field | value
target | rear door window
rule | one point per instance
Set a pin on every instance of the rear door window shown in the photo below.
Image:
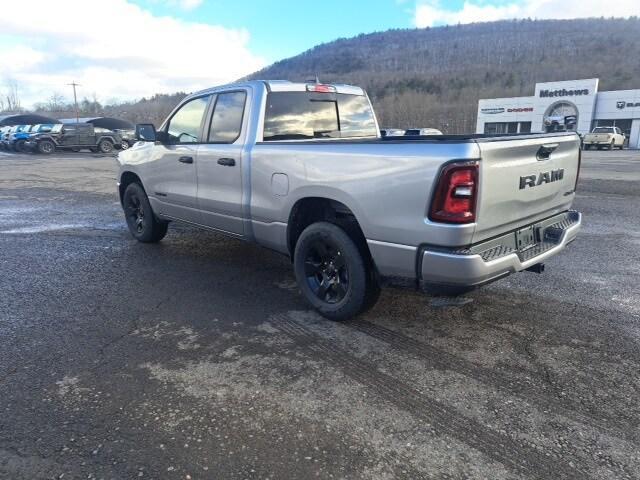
(226, 123)
(309, 115)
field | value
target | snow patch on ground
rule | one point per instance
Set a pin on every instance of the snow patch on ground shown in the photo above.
(43, 228)
(187, 337)
(70, 386)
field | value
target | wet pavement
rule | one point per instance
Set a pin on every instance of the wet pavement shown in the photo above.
(198, 358)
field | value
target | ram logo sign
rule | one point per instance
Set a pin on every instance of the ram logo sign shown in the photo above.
(543, 177)
(622, 104)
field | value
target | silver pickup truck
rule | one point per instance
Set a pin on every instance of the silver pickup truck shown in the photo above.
(302, 169)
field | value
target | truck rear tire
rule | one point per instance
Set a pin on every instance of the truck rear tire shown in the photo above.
(333, 275)
(46, 147)
(105, 146)
(142, 222)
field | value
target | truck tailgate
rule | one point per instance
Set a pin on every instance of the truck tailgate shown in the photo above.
(597, 137)
(524, 179)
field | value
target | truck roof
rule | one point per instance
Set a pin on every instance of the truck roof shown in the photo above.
(284, 86)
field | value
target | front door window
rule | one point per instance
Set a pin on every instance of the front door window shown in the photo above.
(186, 123)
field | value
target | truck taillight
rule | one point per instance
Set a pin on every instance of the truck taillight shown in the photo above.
(455, 196)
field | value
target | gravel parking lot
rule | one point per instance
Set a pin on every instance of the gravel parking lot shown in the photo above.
(198, 358)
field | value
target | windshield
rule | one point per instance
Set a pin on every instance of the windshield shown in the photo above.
(603, 130)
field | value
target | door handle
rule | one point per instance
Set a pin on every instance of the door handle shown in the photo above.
(186, 159)
(227, 162)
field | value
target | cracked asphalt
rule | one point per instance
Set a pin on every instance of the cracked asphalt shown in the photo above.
(197, 358)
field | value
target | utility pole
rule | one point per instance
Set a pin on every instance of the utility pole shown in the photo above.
(75, 98)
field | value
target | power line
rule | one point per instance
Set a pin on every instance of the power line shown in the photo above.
(75, 98)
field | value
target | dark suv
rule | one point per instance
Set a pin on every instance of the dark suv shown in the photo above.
(75, 137)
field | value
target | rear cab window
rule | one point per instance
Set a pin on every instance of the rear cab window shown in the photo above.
(313, 115)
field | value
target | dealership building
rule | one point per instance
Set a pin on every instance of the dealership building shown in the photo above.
(574, 105)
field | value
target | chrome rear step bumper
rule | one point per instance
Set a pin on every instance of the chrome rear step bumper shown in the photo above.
(498, 257)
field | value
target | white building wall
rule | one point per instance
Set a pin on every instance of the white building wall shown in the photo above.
(634, 138)
(507, 110)
(609, 105)
(590, 104)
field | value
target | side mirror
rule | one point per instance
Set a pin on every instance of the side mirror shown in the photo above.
(146, 132)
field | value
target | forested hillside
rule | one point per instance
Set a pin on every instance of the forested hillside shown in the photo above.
(434, 77)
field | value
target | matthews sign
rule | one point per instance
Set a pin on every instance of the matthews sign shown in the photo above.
(563, 93)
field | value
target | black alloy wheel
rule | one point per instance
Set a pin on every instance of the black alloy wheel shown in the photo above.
(333, 272)
(326, 271)
(142, 222)
(135, 213)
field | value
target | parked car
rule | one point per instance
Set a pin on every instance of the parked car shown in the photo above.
(391, 132)
(128, 138)
(19, 139)
(423, 131)
(75, 136)
(17, 133)
(607, 137)
(301, 168)
(4, 137)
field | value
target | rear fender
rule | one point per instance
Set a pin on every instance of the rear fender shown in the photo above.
(329, 194)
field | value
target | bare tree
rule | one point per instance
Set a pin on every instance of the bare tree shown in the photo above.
(12, 97)
(55, 103)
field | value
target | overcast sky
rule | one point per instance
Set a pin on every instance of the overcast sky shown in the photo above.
(127, 49)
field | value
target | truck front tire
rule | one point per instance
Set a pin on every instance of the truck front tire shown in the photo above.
(334, 276)
(142, 222)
